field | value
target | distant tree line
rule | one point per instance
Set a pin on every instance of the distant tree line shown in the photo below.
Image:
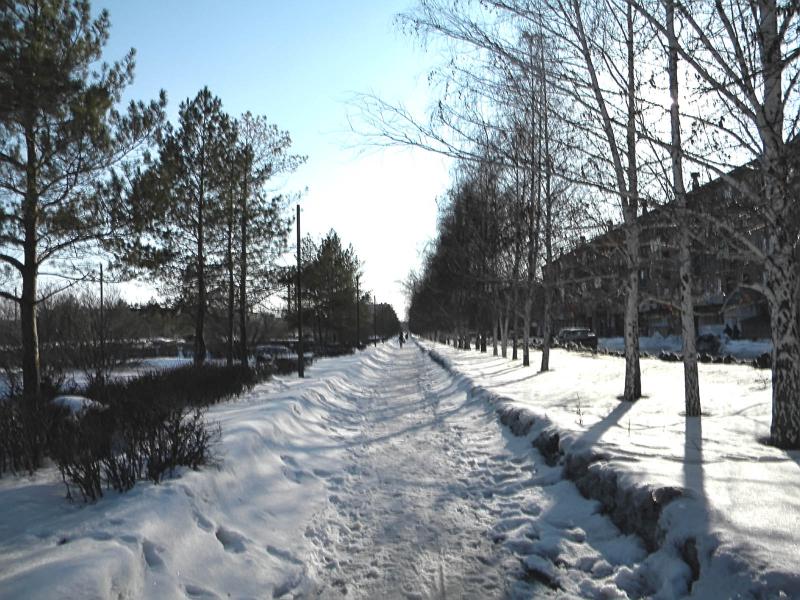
(337, 312)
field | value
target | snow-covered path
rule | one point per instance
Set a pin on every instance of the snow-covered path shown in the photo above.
(404, 520)
(440, 501)
(378, 476)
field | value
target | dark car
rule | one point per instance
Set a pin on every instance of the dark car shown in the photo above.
(708, 343)
(271, 353)
(581, 336)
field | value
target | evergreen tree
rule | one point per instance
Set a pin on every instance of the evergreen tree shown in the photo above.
(262, 154)
(329, 289)
(59, 135)
(175, 210)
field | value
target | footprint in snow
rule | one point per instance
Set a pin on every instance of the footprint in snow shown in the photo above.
(152, 554)
(199, 593)
(296, 475)
(203, 523)
(232, 541)
(289, 460)
(283, 555)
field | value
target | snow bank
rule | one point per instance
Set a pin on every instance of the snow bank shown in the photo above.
(718, 508)
(673, 343)
(76, 404)
(231, 529)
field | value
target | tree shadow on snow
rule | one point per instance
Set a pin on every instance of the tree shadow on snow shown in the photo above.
(694, 481)
(593, 434)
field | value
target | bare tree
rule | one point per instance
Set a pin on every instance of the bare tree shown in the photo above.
(745, 56)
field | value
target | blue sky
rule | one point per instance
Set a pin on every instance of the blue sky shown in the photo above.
(299, 63)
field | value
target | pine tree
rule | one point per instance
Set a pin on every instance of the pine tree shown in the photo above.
(175, 211)
(59, 136)
(262, 154)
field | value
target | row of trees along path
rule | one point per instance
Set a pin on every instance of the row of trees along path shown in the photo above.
(574, 119)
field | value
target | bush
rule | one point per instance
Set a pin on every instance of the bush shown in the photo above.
(148, 427)
(120, 445)
(79, 446)
(184, 386)
(26, 433)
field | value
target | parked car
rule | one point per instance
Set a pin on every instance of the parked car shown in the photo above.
(271, 353)
(708, 343)
(578, 335)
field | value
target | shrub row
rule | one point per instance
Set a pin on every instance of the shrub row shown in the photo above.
(144, 428)
(26, 433)
(116, 446)
(184, 386)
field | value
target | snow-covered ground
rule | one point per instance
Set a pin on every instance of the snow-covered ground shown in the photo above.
(673, 343)
(132, 368)
(379, 476)
(383, 475)
(741, 501)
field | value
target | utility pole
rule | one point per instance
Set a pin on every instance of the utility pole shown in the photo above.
(358, 315)
(374, 322)
(299, 304)
(102, 327)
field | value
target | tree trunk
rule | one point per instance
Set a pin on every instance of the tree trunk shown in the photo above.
(504, 334)
(231, 291)
(516, 333)
(782, 281)
(633, 382)
(545, 364)
(31, 371)
(495, 332)
(243, 278)
(547, 276)
(526, 328)
(633, 378)
(691, 385)
(199, 340)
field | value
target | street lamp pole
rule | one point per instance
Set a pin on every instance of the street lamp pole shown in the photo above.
(102, 328)
(299, 304)
(358, 314)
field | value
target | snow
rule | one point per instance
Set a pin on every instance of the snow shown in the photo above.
(383, 475)
(673, 343)
(76, 404)
(742, 498)
(203, 534)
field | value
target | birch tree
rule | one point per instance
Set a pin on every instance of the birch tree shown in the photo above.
(690, 378)
(591, 44)
(745, 56)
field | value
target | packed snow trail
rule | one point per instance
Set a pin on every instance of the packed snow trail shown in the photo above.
(378, 476)
(441, 501)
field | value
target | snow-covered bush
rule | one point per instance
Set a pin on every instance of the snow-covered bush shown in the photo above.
(145, 428)
(130, 441)
(26, 429)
